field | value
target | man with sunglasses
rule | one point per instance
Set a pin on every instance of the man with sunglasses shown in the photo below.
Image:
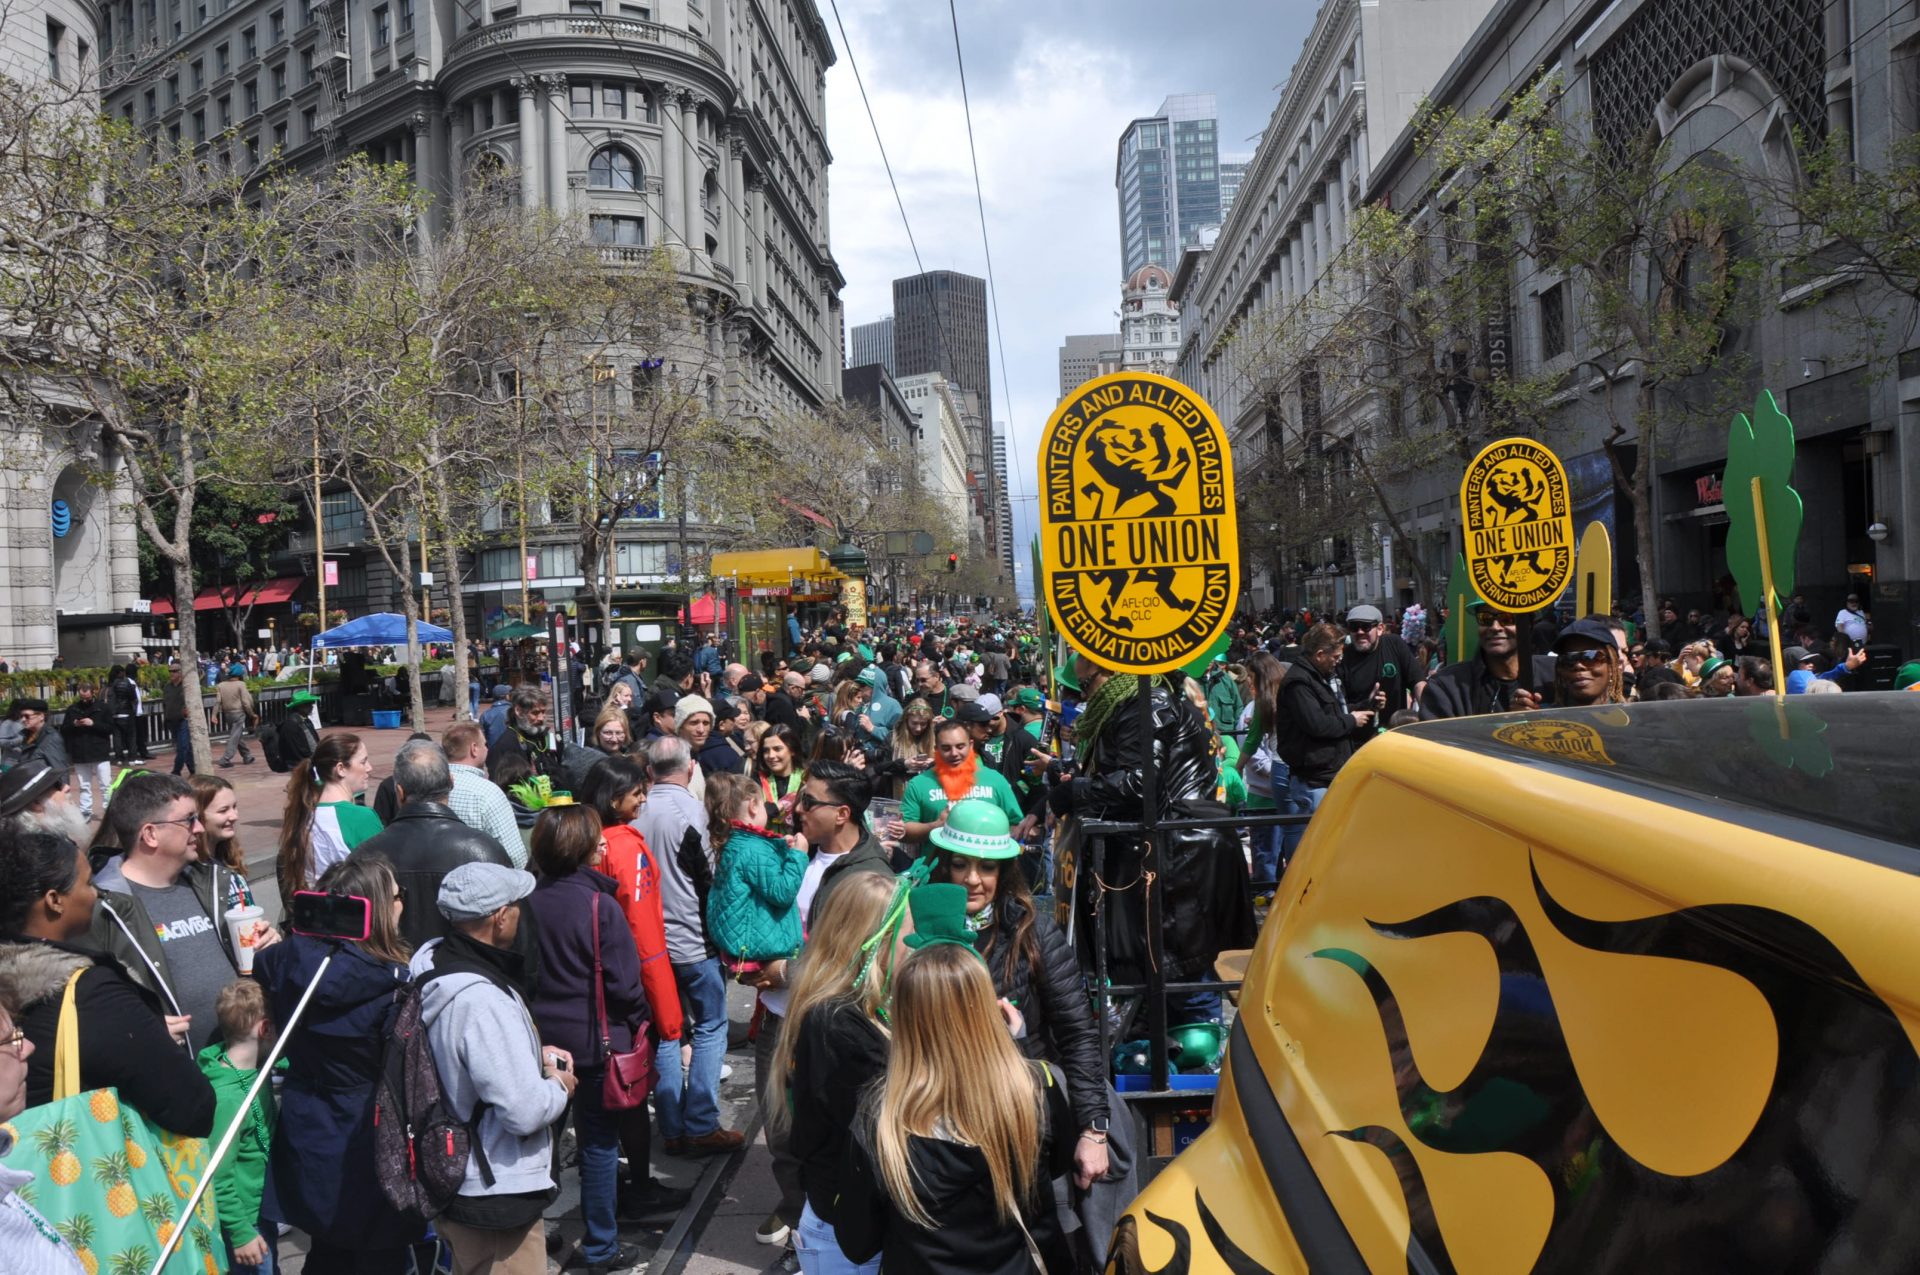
(1378, 670)
(1491, 681)
(162, 912)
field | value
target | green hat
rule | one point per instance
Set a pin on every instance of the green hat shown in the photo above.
(302, 698)
(1909, 675)
(939, 916)
(1713, 666)
(978, 829)
(1027, 697)
(843, 657)
(866, 652)
(1064, 677)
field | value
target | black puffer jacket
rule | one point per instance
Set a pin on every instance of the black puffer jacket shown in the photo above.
(123, 1037)
(1314, 735)
(1053, 999)
(1208, 906)
(840, 1051)
(87, 731)
(425, 841)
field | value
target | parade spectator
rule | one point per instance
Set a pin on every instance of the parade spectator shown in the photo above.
(87, 732)
(1378, 670)
(787, 707)
(28, 1242)
(611, 732)
(230, 1065)
(1225, 699)
(831, 1043)
(173, 711)
(631, 674)
(1208, 903)
(1853, 623)
(1587, 665)
(494, 1072)
(476, 799)
(322, 823)
(427, 839)
(36, 741)
(219, 840)
(929, 684)
(674, 825)
(589, 983)
(1718, 678)
(35, 797)
(162, 911)
(47, 904)
(751, 914)
(1752, 676)
(1032, 965)
(1491, 681)
(615, 789)
(777, 770)
(235, 704)
(122, 702)
(527, 736)
(295, 733)
(958, 1138)
(494, 721)
(1315, 724)
(957, 774)
(693, 718)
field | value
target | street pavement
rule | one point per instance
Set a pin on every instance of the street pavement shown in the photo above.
(715, 1234)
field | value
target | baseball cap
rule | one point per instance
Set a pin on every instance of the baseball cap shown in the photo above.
(1796, 655)
(992, 704)
(963, 691)
(1028, 697)
(475, 890)
(502, 692)
(1364, 614)
(750, 683)
(1585, 632)
(972, 713)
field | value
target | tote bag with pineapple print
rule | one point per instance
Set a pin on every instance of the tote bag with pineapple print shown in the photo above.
(109, 1180)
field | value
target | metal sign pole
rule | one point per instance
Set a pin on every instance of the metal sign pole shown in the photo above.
(1150, 882)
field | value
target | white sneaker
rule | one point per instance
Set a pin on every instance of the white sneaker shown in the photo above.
(773, 1230)
(726, 1072)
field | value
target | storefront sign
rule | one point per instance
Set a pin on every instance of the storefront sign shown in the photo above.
(853, 596)
(1139, 537)
(1517, 512)
(1706, 490)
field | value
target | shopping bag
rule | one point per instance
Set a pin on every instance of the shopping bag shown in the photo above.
(107, 1178)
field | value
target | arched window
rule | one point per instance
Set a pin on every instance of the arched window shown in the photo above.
(613, 168)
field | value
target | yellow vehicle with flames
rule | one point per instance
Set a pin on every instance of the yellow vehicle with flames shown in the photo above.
(1630, 989)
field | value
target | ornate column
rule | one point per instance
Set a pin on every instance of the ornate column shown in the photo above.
(758, 266)
(456, 162)
(426, 174)
(695, 172)
(530, 159)
(672, 168)
(735, 214)
(556, 86)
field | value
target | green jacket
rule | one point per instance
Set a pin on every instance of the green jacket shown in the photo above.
(1224, 702)
(238, 1181)
(751, 909)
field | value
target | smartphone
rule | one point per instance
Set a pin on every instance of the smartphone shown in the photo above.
(558, 1063)
(320, 915)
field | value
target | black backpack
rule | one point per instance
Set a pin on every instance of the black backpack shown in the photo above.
(420, 1147)
(270, 748)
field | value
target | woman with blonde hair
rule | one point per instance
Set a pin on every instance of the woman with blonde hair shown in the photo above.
(954, 1150)
(833, 1041)
(612, 734)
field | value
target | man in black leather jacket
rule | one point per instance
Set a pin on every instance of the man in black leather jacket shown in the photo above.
(426, 840)
(1207, 907)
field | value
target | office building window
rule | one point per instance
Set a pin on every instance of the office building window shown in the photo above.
(249, 45)
(626, 232)
(310, 123)
(152, 108)
(1553, 321)
(280, 137)
(406, 17)
(199, 126)
(173, 91)
(582, 100)
(382, 27)
(613, 102)
(252, 96)
(613, 168)
(279, 74)
(277, 25)
(222, 59)
(306, 67)
(199, 75)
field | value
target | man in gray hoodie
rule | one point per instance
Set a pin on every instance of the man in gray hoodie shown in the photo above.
(493, 1070)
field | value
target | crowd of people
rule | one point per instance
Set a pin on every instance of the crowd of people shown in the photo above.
(867, 830)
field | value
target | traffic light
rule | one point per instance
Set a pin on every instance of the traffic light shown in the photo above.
(953, 562)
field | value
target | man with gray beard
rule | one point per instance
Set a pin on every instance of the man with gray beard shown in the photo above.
(36, 797)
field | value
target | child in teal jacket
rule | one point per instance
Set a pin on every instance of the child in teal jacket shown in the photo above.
(231, 1068)
(752, 908)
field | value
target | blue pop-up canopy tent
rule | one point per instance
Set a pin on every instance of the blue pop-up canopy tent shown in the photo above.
(383, 628)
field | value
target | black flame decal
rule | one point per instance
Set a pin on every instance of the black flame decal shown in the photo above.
(1823, 1182)
(1124, 1256)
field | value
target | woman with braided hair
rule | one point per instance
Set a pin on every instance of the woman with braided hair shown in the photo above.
(1587, 666)
(1207, 906)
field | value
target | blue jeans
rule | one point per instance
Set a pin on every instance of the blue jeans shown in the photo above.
(688, 1105)
(1192, 1007)
(1302, 800)
(599, 1139)
(819, 1250)
(473, 700)
(182, 747)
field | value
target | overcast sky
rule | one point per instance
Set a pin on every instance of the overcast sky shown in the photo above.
(1053, 83)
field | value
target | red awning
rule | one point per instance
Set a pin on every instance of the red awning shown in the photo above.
(218, 598)
(702, 609)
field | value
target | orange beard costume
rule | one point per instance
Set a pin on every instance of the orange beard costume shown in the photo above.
(957, 783)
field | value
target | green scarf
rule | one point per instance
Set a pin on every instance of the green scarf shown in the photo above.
(1118, 690)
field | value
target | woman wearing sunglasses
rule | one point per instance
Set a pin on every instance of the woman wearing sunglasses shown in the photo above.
(1587, 666)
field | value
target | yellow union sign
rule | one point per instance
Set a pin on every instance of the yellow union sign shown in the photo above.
(1517, 511)
(1140, 542)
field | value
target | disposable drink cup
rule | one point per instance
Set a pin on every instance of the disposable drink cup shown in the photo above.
(243, 927)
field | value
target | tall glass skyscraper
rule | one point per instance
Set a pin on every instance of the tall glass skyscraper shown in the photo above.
(1167, 173)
